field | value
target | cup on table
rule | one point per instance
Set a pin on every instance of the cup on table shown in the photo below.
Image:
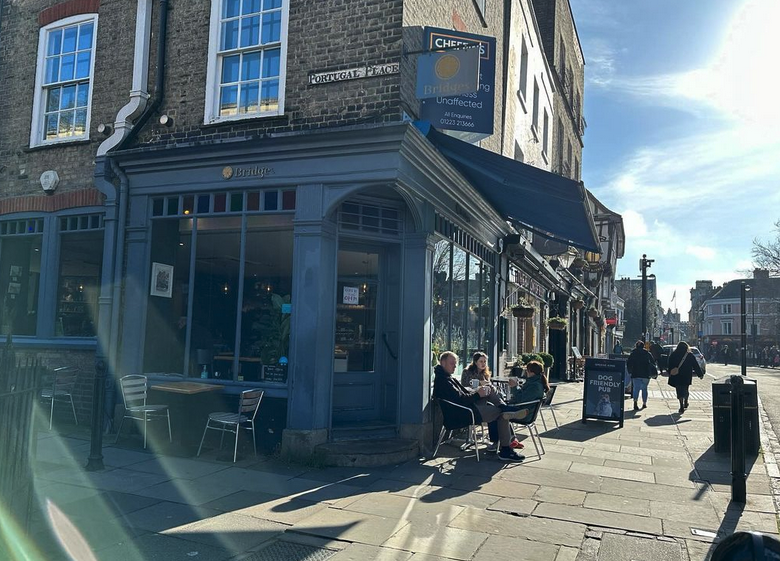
(475, 383)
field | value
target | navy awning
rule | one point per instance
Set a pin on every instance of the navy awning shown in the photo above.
(548, 204)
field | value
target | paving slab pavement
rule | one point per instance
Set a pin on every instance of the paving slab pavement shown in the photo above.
(599, 493)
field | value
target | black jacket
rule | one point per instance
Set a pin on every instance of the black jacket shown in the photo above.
(449, 388)
(688, 368)
(638, 363)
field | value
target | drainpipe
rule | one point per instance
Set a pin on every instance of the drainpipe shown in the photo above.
(507, 38)
(116, 220)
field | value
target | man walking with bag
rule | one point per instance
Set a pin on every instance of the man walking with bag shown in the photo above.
(641, 366)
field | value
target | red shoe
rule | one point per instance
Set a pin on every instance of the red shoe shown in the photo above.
(516, 444)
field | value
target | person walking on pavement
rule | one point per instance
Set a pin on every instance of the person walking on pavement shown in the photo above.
(656, 350)
(682, 366)
(617, 349)
(726, 354)
(638, 365)
(484, 402)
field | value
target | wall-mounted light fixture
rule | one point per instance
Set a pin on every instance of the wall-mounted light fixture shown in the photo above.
(166, 120)
(105, 129)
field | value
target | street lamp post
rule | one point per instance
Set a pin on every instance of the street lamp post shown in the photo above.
(743, 326)
(644, 264)
(753, 326)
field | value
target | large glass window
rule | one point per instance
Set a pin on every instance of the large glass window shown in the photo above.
(247, 78)
(20, 284)
(64, 80)
(440, 304)
(458, 326)
(473, 307)
(81, 259)
(356, 311)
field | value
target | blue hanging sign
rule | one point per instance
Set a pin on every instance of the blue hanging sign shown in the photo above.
(448, 73)
(473, 112)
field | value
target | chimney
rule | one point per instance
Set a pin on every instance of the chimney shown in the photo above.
(760, 273)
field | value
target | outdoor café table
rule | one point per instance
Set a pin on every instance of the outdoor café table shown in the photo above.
(502, 385)
(190, 404)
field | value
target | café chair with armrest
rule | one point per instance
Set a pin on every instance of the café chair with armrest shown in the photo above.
(61, 389)
(453, 419)
(230, 422)
(530, 423)
(547, 403)
(134, 389)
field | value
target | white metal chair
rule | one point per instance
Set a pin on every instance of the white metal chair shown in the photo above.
(534, 408)
(134, 390)
(224, 422)
(61, 389)
(449, 411)
(547, 403)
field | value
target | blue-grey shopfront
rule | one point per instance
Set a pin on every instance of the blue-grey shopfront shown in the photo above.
(326, 268)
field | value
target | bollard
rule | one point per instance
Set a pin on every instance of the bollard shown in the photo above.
(738, 476)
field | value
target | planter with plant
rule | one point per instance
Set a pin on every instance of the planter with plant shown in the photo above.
(523, 310)
(578, 303)
(593, 312)
(557, 323)
(547, 360)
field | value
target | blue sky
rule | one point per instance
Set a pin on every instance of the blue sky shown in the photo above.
(682, 139)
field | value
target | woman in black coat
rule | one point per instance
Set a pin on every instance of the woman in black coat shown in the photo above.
(686, 365)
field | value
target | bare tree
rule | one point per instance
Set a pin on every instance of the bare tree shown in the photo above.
(766, 254)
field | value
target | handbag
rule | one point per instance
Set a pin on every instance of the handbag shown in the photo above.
(652, 369)
(675, 370)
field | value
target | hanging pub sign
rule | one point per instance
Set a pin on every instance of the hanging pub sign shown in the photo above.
(448, 73)
(603, 392)
(472, 113)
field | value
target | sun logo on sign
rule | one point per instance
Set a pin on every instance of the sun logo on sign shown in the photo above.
(227, 172)
(447, 67)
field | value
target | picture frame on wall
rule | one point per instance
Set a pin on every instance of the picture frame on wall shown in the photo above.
(162, 280)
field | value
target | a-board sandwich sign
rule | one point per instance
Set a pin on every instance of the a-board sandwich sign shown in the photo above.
(603, 392)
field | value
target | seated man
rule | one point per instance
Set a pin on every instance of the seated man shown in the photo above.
(484, 402)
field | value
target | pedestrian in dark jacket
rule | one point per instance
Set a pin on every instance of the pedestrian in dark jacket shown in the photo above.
(638, 365)
(484, 402)
(726, 355)
(687, 366)
(533, 389)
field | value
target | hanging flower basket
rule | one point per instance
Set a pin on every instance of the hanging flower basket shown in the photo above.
(578, 304)
(557, 323)
(593, 313)
(523, 311)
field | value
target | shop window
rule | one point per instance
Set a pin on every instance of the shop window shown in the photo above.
(440, 304)
(63, 90)
(81, 258)
(247, 59)
(473, 306)
(20, 274)
(486, 309)
(356, 311)
(458, 313)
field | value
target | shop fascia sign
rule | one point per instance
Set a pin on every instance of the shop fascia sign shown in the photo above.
(229, 172)
(368, 71)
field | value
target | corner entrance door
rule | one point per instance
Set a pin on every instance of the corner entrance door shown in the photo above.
(365, 368)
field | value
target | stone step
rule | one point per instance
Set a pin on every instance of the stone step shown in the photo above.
(368, 453)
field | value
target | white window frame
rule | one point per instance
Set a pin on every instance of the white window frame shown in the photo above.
(535, 111)
(211, 114)
(545, 135)
(726, 327)
(37, 126)
(726, 309)
(523, 89)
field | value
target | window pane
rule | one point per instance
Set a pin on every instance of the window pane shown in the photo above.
(272, 27)
(440, 302)
(288, 200)
(81, 257)
(80, 126)
(250, 66)
(67, 68)
(271, 60)
(270, 4)
(66, 123)
(68, 97)
(85, 36)
(271, 200)
(19, 284)
(458, 340)
(473, 306)
(228, 100)
(52, 69)
(230, 8)
(55, 43)
(82, 95)
(82, 64)
(166, 318)
(251, 7)
(230, 69)
(265, 325)
(51, 126)
(487, 308)
(250, 31)
(53, 99)
(229, 35)
(69, 40)
(356, 322)
(249, 95)
(269, 96)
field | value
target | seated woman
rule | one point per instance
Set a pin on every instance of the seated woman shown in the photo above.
(535, 387)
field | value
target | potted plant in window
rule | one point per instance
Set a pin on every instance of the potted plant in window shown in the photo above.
(593, 312)
(523, 309)
(578, 303)
(558, 323)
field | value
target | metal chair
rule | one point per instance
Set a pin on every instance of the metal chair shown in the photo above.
(61, 389)
(224, 421)
(134, 390)
(449, 410)
(547, 402)
(530, 423)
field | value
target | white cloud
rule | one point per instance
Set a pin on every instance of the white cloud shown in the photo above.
(701, 252)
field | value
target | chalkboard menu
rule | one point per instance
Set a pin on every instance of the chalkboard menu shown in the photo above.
(603, 392)
(275, 373)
